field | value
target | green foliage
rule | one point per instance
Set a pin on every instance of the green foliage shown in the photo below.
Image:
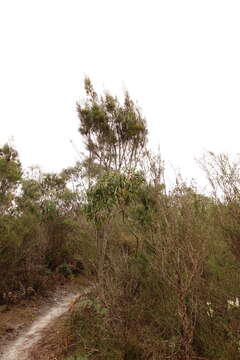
(94, 305)
(115, 135)
(39, 226)
(170, 300)
(65, 270)
(167, 263)
(10, 175)
(112, 190)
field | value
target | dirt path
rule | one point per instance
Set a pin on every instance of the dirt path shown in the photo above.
(24, 344)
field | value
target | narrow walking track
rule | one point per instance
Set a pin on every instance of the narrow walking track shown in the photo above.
(20, 348)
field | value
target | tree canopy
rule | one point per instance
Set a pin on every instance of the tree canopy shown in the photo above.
(115, 134)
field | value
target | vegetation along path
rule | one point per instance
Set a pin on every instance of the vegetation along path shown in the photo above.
(23, 345)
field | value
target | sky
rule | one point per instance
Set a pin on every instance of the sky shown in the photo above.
(180, 61)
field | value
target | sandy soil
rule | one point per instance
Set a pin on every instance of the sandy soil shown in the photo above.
(34, 325)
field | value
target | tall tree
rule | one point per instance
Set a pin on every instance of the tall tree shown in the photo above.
(10, 175)
(115, 134)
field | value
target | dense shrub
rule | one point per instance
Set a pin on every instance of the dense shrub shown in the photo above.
(42, 229)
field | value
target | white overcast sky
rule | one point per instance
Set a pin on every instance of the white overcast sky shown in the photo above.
(179, 59)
